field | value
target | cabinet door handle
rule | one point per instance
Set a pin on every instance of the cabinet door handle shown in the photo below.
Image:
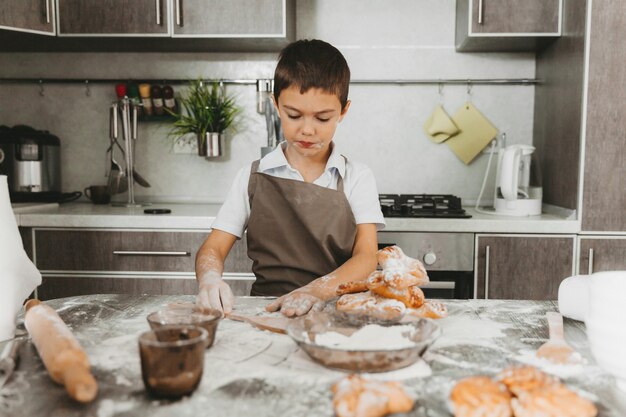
(47, 11)
(179, 13)
(487, 272)
(157, 4)
(480, 12)
(150, 253)
(590, 270)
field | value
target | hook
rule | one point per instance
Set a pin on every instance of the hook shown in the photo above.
(41, 90)
(221, 85)
(440, 91)
(469, 89)
(87, 90)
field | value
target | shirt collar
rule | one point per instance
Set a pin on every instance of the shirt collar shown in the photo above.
(277, 159)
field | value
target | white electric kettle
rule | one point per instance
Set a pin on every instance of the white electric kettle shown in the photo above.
(514, 194)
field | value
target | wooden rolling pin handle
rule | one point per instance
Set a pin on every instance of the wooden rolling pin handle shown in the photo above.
(65, 360)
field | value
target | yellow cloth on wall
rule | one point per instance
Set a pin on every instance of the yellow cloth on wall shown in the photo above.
(439, 127)
(476, 132)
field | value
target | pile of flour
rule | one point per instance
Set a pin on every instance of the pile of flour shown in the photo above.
(370, 337)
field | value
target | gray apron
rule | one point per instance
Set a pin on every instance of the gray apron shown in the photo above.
(297, 232)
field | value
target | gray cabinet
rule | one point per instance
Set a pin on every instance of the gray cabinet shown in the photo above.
(34, 16)
(79, 261)
(113, 17)
(522, 267)
(601, 253)
(233, 18)
(506, 25)
(604, 170)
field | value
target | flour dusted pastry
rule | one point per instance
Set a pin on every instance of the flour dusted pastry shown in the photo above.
(552, 401)
(372, 305)
(355, 396)
(399, 270)
(429, 310)
(480, 396)
(351, 287)
(412, 297)
(520, 379)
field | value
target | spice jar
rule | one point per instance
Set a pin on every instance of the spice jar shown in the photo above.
(157, 99)
(144, 92)
(168, 98)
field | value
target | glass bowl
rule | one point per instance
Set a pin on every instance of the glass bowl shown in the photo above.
(332, 340)
(187, 315)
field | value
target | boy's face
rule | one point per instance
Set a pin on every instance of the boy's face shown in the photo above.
(309, 120)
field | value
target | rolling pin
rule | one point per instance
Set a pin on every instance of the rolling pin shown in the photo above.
(64, 358)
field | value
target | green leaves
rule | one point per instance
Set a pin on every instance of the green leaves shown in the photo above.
(206, 109)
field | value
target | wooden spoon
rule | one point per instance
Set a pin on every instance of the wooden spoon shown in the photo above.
(556, 349)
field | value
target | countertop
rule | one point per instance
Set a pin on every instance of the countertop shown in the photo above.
(201, 216)
(252, 372)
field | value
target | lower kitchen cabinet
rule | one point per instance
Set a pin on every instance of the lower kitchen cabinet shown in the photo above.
(522, 267)
(87, 261)
(601, 253)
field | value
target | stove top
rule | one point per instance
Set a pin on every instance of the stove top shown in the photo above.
(422, 205)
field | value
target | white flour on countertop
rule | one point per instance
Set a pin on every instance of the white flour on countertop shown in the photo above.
(370, 337)
(109, 408)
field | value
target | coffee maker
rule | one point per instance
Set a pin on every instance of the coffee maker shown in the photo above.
(518, 189)
(30, 159)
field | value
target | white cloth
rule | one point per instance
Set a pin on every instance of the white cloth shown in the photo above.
(18, 275)
(359, 185)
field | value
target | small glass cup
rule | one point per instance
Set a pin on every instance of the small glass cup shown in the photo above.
(172, 359)
(187, 315)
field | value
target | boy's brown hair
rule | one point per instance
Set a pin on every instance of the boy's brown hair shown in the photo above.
(312, 64)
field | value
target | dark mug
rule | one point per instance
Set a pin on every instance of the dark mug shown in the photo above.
(98, 194)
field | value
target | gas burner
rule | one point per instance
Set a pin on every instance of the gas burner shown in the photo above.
(422, 205)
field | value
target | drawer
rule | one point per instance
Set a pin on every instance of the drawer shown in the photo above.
(144, 251)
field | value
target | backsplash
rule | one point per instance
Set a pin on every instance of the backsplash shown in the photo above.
(414, 39)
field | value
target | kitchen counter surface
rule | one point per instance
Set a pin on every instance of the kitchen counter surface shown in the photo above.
(201, 216)
(252, 372)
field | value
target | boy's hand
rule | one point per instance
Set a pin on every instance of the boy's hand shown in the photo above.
(215, 293)
(297, 303)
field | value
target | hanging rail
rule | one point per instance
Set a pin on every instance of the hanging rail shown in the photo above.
(432, 81)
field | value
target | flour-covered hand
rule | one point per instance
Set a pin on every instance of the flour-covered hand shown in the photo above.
(214, 293)
(297, 303)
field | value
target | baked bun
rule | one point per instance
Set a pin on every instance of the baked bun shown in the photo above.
(372, 305)
(552, 401)
(520, 379)
(412, 297)
(399, 270)
(429, 310)
(480, 396)
(355, 396)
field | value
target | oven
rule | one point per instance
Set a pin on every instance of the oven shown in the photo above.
(447, 257)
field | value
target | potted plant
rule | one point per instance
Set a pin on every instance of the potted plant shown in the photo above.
(206, 112)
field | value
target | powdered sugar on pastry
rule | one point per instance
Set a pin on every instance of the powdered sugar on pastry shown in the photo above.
(355, 396)
(399, 270)
(480, 396)
(372, 305)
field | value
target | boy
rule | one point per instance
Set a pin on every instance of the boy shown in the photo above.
(311, 214)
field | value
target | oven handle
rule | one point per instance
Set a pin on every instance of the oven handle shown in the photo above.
(439, 285)
(487, 272)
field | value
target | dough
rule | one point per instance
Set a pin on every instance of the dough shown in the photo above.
(355, 396)
(552, 401)
(480, 396)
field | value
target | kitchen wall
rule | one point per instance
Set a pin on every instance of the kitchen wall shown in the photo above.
(403, 39)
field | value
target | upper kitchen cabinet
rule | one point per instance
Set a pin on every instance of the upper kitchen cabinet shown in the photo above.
(162, 26)
(506, 25)
(113, 17)
(34, 16)
(522, 267)
(604, 121)
(233, 18)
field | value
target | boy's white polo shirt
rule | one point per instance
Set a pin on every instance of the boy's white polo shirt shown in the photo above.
(359, 186)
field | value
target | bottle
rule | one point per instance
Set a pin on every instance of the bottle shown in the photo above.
(133, 95)
(157, 99)
(144, 92)
(120, 90)
(168, 98)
